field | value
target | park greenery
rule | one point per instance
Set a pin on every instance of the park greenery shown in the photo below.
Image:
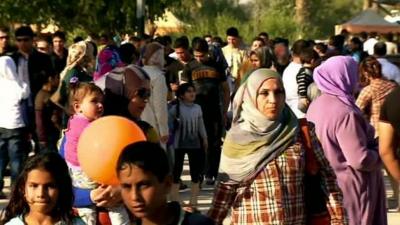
(277, 17)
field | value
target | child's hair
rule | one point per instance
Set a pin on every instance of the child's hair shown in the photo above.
(148, 156)
(369, 67)
(80, 90)
(182, 89)
(307, 55)
(50, 162)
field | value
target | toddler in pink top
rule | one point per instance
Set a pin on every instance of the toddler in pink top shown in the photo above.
(86, 101)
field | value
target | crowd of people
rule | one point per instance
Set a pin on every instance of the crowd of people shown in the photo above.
(285, 133)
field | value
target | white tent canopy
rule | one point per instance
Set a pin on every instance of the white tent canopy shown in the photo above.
(369, 21)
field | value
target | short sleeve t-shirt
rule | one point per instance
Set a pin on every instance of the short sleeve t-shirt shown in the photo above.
(390, 111)
(207, 78)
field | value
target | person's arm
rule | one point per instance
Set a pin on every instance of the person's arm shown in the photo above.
(40, 126)
(82, 197)
(224, 197)
(364, 100)
(353, 142)
(388, 145)
(226, 96)
(160, 107)
(202, 130)
(329, 183)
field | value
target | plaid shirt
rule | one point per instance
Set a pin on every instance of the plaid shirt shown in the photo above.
(276, 195)
(371, 99)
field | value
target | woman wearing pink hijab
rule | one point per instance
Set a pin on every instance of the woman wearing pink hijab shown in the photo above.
(348, 141)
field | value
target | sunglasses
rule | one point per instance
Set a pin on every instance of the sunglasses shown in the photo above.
(23, 39)
(143, 93)
(4, 37)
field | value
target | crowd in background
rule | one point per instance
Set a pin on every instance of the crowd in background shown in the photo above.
(263, 122)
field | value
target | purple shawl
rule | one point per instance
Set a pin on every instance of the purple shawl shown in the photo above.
(338, 76)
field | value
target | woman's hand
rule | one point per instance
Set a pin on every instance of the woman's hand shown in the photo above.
(106, 196)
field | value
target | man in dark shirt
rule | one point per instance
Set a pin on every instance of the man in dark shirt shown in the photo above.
(212, 94)
(389, 133)
(175, 68)
(60, 53)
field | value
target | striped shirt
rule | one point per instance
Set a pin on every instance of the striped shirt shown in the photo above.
(304, 79)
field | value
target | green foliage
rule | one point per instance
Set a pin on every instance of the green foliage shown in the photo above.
(91, 15)
(276, 17)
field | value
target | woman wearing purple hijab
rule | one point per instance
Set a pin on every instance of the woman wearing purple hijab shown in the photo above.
(348, 141)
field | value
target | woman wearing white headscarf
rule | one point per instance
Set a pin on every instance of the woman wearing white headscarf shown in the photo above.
(156, 112)
(263, 166)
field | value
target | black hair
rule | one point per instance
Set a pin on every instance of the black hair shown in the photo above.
(78, 39)
(218, 40)
(4, 29)
(60, 35)
(44, 38)
(358, 42)
(24, 31)
(232, 31)
(280, 40)
(323, 48)
(380, 49)
(200, 45)
(363, 35)
(389, 37)
(337, 41)
(308, 55)
(259, 39)
(263, 34)
(54, 164)
(127, 52)
(182, 42)
(149, 157)
(182, 89)
(207, 36)
(299, 46)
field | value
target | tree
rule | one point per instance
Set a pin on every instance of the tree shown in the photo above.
(91, 15)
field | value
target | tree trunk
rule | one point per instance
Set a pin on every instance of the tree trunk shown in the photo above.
(302, 15)
(301, 11)
(369, 4)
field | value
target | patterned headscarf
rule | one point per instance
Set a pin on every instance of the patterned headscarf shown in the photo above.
(254, 140)
(107, 60)
(338, 76)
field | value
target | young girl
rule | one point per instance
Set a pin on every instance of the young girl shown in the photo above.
(190, 137)
(42, 194)
(86, 101)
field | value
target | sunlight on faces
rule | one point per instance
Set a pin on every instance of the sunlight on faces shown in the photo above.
(256, 44)
(41, 192)
(24, 43)
(189, 95)
(271, 98)
(181, 54)
(142, 192)
(91, 106)
(233, 41)
(138, 103)
(200, 56)
(58, 44)
(3, 39)
(255, 61)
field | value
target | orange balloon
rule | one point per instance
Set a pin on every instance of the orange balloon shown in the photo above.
(102, 142)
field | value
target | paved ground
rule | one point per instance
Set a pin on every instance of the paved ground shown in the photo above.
(207, 191)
